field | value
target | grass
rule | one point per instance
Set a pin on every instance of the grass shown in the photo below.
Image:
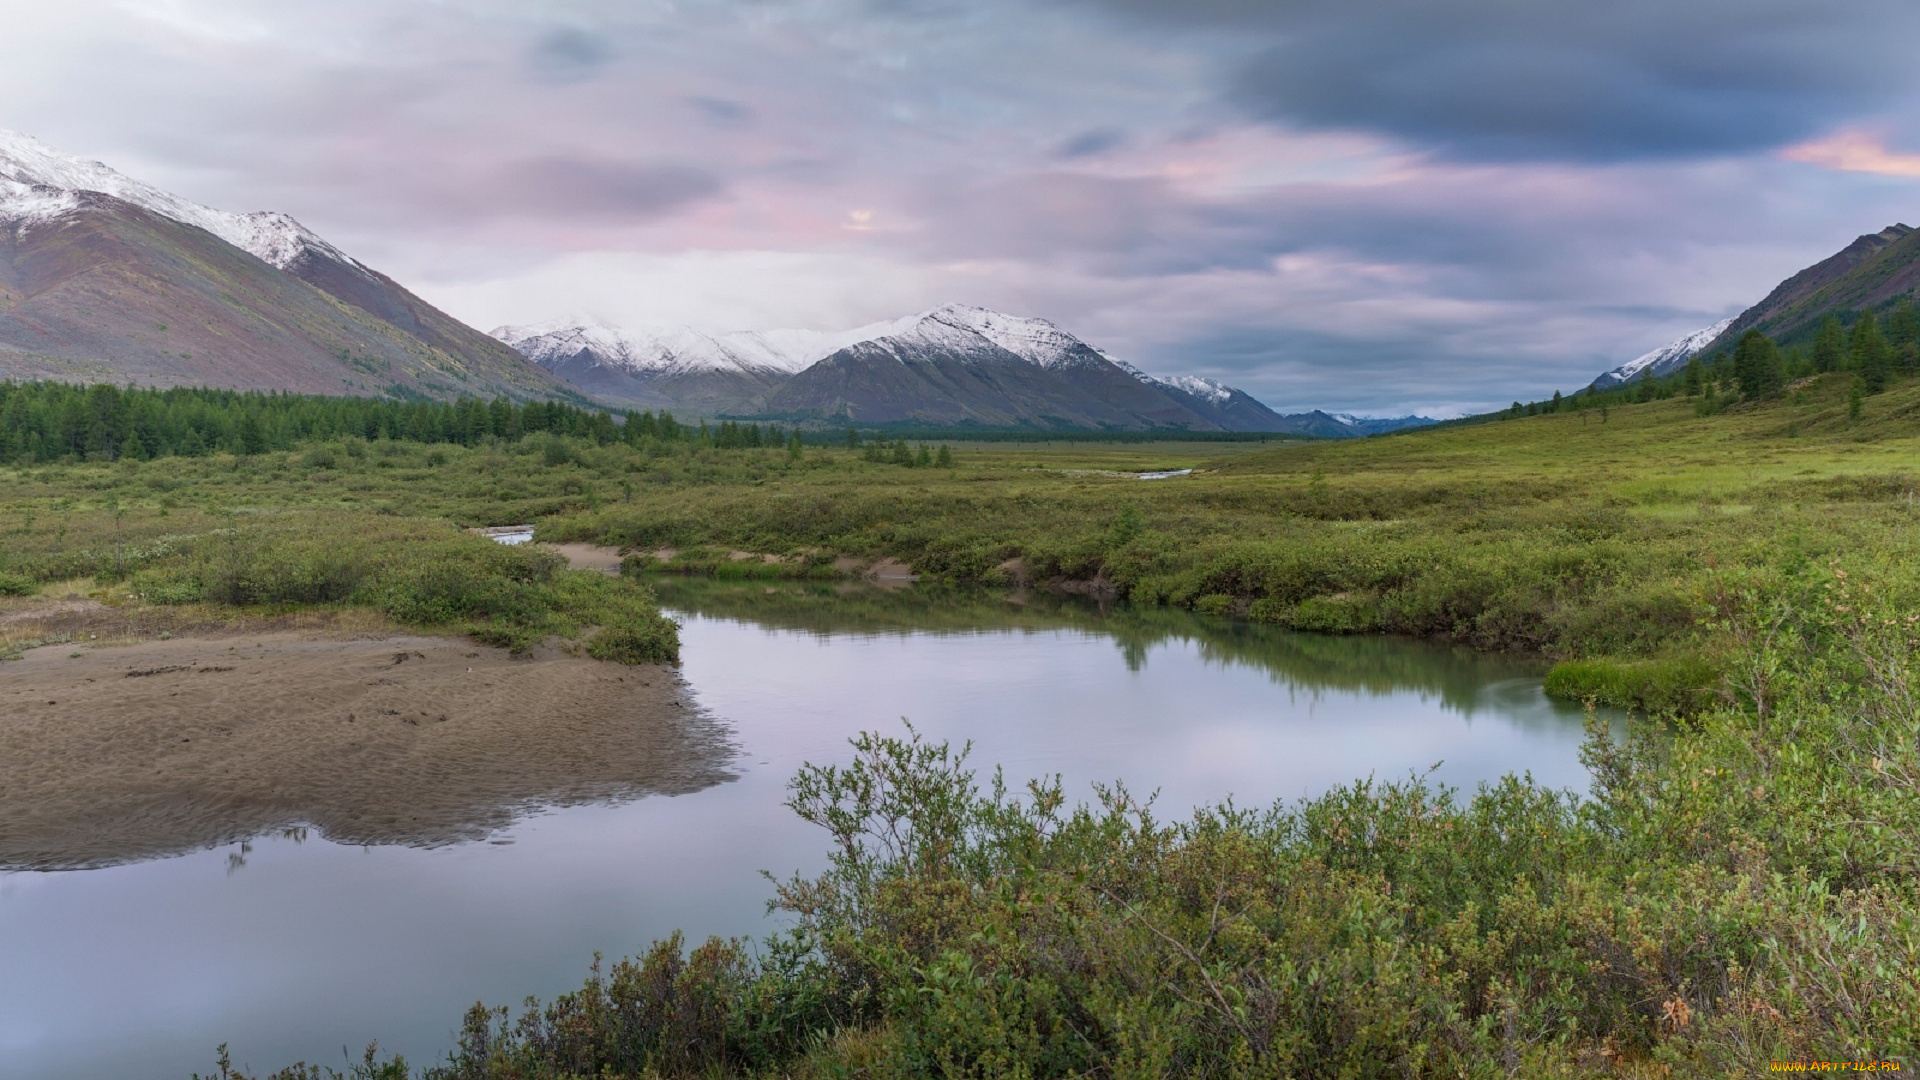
(1697, 915)
(1614, 541)
(1740, 888)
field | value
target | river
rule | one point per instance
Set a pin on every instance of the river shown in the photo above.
(291, 947)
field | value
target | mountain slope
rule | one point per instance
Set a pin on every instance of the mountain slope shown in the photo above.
(105, 277)
(1873, 271)
(1664, 360)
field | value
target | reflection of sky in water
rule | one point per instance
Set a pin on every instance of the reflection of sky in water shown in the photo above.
(140, 971)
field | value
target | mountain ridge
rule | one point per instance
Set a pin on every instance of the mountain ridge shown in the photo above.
(1873, 271)
(104, 277)
(950, 365)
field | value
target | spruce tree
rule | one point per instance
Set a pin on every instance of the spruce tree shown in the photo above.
(1870, 355)
(1757, 366)
(1829, 346)
(1903, 333)
(1692, 377)
(1556, 402)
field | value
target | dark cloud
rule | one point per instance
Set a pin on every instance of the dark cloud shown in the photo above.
(721, 112)
(569, 56)
(565, 186)
(1091, 143)
(1498, 80)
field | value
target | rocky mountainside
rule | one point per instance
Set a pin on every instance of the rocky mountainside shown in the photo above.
(1870, 273)
(103, 277)
(952, 366)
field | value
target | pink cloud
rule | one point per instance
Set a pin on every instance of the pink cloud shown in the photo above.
(1855, 151)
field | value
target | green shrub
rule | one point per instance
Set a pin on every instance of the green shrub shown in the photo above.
(1672, 685)
(653, 642)
(13, 583)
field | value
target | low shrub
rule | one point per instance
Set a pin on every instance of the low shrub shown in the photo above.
(13, 583)
(1668, 685)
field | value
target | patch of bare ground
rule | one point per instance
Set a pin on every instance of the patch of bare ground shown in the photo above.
(590, 557)
(161, 747)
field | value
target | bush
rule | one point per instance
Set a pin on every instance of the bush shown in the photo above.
(652, 643)
(17, 584)
(1672, 686)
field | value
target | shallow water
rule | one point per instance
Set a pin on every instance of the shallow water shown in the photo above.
(293, 947)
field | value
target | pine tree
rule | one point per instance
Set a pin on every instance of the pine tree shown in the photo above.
(1556, 402)
(1692, 377)
(1856, 397)
(945, 458)
(1870, 355)
(853, 439)
(1903, 333)
(1829, 346)
(1757, 366)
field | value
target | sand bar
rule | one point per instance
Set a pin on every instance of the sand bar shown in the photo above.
(156, 748)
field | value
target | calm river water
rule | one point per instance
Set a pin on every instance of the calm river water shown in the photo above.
(295, 948)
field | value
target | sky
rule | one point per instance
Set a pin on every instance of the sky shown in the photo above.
(1373, 206)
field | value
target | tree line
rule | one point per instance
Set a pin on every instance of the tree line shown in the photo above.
(1874, 349)
(52, 421)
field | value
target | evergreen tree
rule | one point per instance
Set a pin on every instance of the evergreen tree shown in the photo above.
(1757, 367)
(1903, 334)
(1829, 346)
(794, 449)
(945, 458)
(1856, 397)
(853, 439)
(1870, 355)
(1555, 407)
(1691, 379)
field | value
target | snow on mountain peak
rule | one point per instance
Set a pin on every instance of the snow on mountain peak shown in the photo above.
(1201, 387)
(1035, 340)
(39, 183)
(1666, 358)
(954, 330)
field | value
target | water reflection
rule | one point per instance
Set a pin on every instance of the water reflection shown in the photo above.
(1465, 681)
(140, 970)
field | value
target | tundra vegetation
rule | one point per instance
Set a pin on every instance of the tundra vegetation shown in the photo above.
(1741, 882)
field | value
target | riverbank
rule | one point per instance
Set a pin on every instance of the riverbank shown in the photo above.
(136, 751)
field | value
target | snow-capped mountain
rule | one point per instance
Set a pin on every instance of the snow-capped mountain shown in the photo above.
(954, 364)
(1664, 360)
(103, 276)
(39, 183)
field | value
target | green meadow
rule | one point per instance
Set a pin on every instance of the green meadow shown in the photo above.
(1740, 884)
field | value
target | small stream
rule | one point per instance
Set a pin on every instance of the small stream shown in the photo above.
(291, 947)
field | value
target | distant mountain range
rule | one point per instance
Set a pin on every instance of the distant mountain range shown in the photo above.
(105, 277)
(953, 366)
(1869, 274)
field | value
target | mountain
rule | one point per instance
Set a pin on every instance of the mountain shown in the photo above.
(1380, 425)
(104, 277)
(677, 367)
(1872, 272)
(952, 366)
(1664, 360)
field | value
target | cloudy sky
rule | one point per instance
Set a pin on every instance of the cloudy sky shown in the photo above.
(1367, 205)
